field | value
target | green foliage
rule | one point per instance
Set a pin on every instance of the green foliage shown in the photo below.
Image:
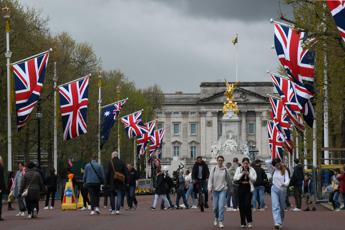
(30, 35)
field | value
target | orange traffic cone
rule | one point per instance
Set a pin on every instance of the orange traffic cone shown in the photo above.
(68, 202)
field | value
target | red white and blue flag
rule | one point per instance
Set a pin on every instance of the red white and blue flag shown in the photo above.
(143, 140)
(288, 97)
(73, 106)
(276, 141)
(337, 8)
(156, 140)
(28, 78)
(283, 123)
(133, 124)
(297, 60)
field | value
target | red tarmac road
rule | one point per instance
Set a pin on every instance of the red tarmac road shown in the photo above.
(144, 218)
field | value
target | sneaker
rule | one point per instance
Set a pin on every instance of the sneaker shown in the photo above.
(29, 216)
(92, 213)
(296, 210)
(243, 226)
(221, 225)
(337, 210)
(89, 207)
(153, 208)
(250, 225)
(117, 212)
(46, 208)
(228, 209)
(194, 207)
(83, 209)
(97, 210)
(19, 214)
(215, 222)
(112, 213)
(51, 208)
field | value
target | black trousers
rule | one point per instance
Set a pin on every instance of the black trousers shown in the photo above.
(94, 190)
(31, 205)
(298, 196)
(85, 195)
(50, 193)
(245, 197)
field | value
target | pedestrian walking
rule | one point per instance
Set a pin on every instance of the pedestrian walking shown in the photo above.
(51, 184)
(93, 179)
(309, 193)
(10, 186)
(341, 179)
(200, 174)
(31, 189)
(161, 188)
(189, 186)
(180, 190)
(259, 187)
(235, 185)
(296, 181)
(117, 177)
(334, 194)
(133, 176)
(2, 185)
(245, 176)
(280, 183)
(218, 185)
(17, 186)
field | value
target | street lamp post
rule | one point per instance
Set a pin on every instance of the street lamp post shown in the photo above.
(7, 14)
(118, 90)
(99, 115)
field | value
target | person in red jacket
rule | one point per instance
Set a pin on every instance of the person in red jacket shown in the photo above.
(341, 179)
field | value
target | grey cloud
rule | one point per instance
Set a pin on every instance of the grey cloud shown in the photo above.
(243, 10)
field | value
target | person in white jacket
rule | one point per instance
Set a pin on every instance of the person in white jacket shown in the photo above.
(245, 176)
(280, 184)
(218, 185)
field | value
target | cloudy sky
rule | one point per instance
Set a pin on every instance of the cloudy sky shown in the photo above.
(176, 44)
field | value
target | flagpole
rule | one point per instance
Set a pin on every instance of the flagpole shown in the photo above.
(297, 150)
(33, 56)
(89, 75)
(118, 91)
(305, 149)
(99, 115)
(114, 102)
(134, 154)
(8, 54)
(55, 118)
(314, 154)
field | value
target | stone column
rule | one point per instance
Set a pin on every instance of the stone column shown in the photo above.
(184, 136)
(202, 133)
(258, 131)
(167, 151)
(214, 127)
(244, 126)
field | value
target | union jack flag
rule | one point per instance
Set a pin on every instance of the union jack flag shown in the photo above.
(337, 8)
(156, 140)
(143, 140)
(297, 61)
(133, 124)
(29, 77)
(283, 123)
(73, 107)
(287, 93)
(276, 141)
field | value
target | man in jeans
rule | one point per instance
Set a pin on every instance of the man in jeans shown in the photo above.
(133, 176)
(93, 178)
(200, 173)
(259, 186)
(297, 182)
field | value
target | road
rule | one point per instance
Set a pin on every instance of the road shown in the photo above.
(145, 218)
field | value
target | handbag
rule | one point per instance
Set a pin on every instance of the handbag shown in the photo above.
(26, 190)
(117, 175)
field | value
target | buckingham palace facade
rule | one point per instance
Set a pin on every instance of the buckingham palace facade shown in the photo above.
(196, 126)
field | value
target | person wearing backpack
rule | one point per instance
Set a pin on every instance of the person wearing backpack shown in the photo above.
(93, 179)
(218, 185)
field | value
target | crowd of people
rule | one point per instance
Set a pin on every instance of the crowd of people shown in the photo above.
(234, 186)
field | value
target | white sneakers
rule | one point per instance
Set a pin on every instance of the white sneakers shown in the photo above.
(221, 225)
(92, 213)
(296, 210)
(83, 209)
(194, 207)
(215, 222)
(112, 213)
(249, 225)
(46, 208)
(97, 210)
(117, 212)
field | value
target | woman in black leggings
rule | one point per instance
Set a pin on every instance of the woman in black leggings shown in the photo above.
(245, 177)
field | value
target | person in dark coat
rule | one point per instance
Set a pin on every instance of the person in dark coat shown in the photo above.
(32, 181)
(161, 188)
(200, 173)
(297, 181)
(2, 185)
(51, 183)
(116, 186)
(259, 186)
(133, 176)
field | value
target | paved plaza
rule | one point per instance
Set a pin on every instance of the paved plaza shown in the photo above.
(145, 218)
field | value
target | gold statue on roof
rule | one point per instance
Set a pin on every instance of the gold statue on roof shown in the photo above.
(230, 104)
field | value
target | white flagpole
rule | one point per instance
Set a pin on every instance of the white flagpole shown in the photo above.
(134, 154)
(305, 153)
(89, 75)
(118, 91)
(33, 56)
(99, 115)
(314, 145)
(8, 54)
(297, 150)
(325, 111)
(55, 118)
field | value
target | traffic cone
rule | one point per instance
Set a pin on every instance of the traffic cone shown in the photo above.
(68, 202)
(80, 201)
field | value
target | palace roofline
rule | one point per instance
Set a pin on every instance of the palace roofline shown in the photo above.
(240, 84)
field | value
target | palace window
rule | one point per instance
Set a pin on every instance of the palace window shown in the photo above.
(193, 152)
(251, 128)
(193, 129)
(176, 129)
(176, 152)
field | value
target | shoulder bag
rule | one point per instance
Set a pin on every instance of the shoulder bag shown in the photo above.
(117, 175)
